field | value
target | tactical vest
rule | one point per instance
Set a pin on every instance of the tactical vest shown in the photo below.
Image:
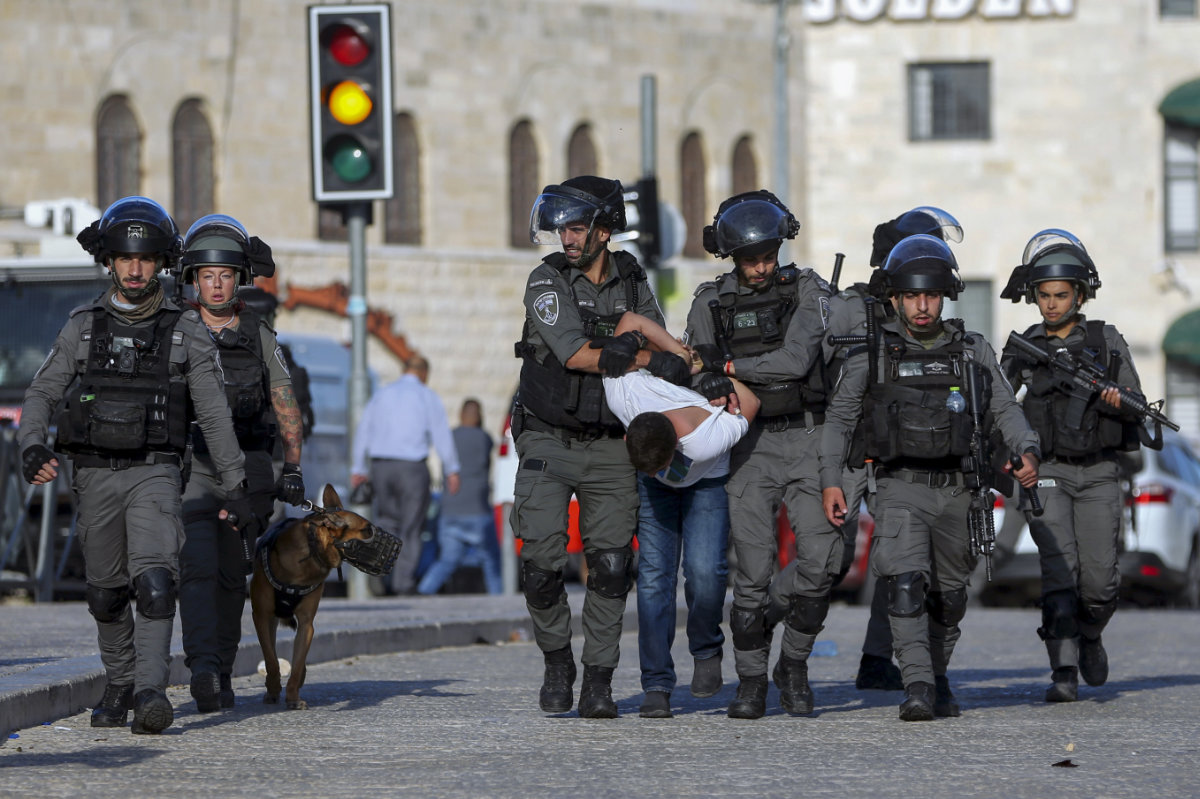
(566, 397)
(755, 324)
(126, 401)
(1047, 398)
(247, 386)
(905, 417)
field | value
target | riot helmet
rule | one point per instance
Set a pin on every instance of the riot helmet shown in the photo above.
(748, 224)
(595, 201)
(925, 219)
(216, 240)
(260, 301)
(1052, 254)
(133, 225)
(921, 262)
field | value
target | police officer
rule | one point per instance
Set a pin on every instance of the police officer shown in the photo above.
(218, 257)
(848, 317)
(568, 439)
(769, 330)
(917, 440)
(126, 368)
(1079, 486)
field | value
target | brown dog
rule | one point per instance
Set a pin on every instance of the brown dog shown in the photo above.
(291, 563)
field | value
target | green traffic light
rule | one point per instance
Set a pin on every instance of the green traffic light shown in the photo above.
(349, 159)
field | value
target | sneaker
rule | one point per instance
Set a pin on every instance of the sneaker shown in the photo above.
(918, 702)
(751, 699)
(113, 710)
(226, 697)
(656, 705)
(878, 674)
(944, 703)
(706, 677)
(152, 712)
(206, 690)
(1093, 661)
(1065, 685)
(559, 679)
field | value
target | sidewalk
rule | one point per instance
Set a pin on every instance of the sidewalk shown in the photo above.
(50, 663)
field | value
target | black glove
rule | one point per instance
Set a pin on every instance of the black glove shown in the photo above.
(290, 487)
(89, 238)
(715, 386)
(240, 512)
(259, 255)
(670, 367)
(33, 459)
(618, 354)
(711, 357)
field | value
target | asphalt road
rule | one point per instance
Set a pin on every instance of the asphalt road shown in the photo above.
(464, 722)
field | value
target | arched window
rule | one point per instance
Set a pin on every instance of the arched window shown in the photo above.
(522, 182)
(192, 164)
(581, 152)
(402, 213)
(745, 167)
(693, 200)
(118, 151)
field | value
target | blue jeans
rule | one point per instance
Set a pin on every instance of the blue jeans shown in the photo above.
(692, 522)
(464, 540)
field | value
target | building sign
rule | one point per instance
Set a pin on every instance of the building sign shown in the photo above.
(908, 10)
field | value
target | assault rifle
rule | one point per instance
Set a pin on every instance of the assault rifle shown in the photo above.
(1086, 378)
(977, 472)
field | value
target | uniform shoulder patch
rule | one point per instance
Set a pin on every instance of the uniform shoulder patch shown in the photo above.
(713, 284)
(546, 308)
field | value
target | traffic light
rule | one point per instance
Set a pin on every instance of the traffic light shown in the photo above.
(350, 96)
(643, 227)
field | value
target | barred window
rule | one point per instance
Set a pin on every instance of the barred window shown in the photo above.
(1181, 194)
(949, 101)
(1177, 8)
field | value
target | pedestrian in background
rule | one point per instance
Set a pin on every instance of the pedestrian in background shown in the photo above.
(467, 522)
(403, 421)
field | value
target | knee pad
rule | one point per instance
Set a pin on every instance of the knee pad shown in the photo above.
(906, 595)
(807, 614)
(947, 608)
(156, 593)
(542, 588)
(1097, 613)
(1060, 615)
(106, 604)
(610, 572)
(748, 626)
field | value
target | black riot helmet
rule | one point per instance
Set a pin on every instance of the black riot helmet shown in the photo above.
(1052, 254)
(216, 240)
(749, 223)
(921, 263)
(132, 225)
(598, 202)
(926, 219)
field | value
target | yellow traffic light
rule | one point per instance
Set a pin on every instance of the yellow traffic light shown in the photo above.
(349, 103)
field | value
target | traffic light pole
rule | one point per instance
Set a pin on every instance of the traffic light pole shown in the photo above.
(356, 216)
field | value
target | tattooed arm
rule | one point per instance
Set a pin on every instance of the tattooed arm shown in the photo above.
(287, 412)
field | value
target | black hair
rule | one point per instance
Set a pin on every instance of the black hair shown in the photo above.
(650, 440)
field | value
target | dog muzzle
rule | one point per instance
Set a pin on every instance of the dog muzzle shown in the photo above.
(374, 555)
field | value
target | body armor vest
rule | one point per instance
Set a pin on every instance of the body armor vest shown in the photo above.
(905, 416)
(247, 383)
(566, 397)
(756, 324)
(126, 401)
(1048, 396)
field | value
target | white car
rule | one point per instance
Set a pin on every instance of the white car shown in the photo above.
(1159, 542)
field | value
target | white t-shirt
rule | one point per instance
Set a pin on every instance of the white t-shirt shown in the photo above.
(704, 452)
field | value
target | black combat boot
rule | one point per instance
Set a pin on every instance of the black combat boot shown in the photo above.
(206, 690)
(944, 703)
(1065, 687)
(1093, 661)
(751, 699)
(226, 696)
(595, 694)
(918, 702)
(791, 678)
(876, 673)
(558, 681)
(152, 712)
(113, 710)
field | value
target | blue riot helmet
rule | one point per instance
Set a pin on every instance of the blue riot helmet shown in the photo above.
(922, 262)
(930, 220)
(132, 225)
(749, 223)
(595, 201)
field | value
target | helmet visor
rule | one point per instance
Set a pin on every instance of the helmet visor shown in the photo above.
(1048, 241)
(553, 211)
(753, 223)
(932, 221)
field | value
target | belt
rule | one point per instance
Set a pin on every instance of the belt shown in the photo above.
(933, 479)
(785, 421)
(1091, 459)
(591, 434)
(126, 462)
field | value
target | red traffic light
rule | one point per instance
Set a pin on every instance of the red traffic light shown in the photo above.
(346, 45)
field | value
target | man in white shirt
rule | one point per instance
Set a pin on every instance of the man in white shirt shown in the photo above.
(679, 441)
